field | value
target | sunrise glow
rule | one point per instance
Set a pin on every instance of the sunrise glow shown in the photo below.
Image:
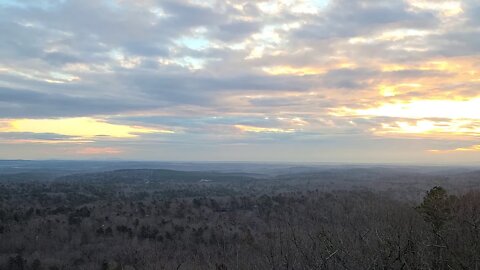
(449, 109)
(178, 79)
(77, 127)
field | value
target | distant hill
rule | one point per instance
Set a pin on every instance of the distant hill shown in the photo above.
(148, 175)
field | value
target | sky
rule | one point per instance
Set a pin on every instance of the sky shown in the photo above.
(357, 81)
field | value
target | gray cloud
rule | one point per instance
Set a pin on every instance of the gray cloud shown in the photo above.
(31, 104)
(237, 30)
(205, 66)
(33, 136)
(345, 18)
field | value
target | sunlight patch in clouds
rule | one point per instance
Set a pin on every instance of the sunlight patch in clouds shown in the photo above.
(417, 109)
(422, 118)
(393, 90)
(124, 60)
(295, 6)
(391, 35)
(82, 127)
(444, 7)
(438, 65)
(387, 91)
(254, 129)
(430, 127)
(289, 70)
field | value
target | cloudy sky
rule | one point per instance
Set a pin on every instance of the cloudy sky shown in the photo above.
(234, 80)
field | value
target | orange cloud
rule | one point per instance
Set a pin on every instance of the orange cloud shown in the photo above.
(42, 141)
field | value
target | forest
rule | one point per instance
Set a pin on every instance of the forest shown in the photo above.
(330, 218)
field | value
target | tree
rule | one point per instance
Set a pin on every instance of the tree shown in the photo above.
(437, 208)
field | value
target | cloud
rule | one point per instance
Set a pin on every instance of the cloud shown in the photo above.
(430, 128)
(237, 30)
(343, 19)
(81, 127)
(38, 138)
(449, 109)
(298, 73)
(27, 103)
(472, 148)
(246, 128)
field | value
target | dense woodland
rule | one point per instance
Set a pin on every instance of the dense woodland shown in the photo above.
(161, 219)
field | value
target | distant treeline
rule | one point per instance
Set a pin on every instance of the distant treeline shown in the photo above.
(142, 219)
